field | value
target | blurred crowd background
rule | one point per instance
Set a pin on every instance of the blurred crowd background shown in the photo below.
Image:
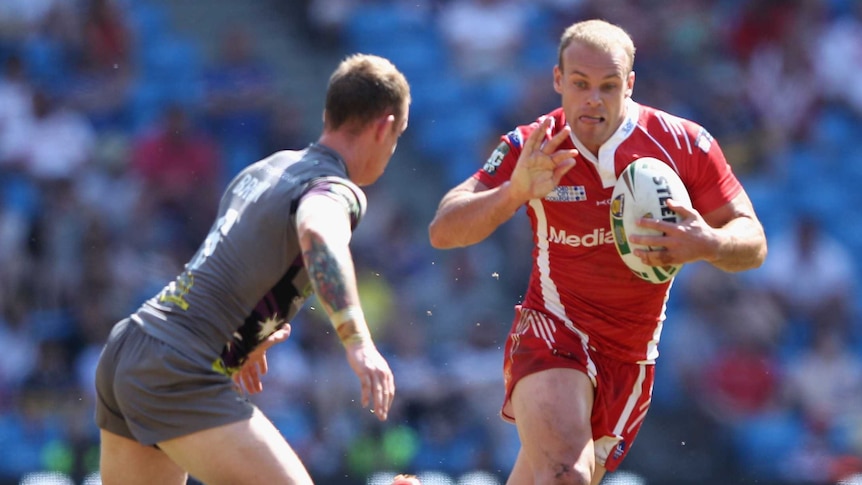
(122, 120)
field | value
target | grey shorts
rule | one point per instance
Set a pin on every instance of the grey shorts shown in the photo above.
(150, 392)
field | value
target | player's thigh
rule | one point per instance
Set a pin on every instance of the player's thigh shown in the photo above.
(552, 411)
(127, 462)
(250, 451)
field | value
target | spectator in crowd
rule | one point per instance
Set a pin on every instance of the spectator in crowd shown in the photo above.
(180, 167)
(107, 39)
(239, 97)
(55, 144)
(810, 275)
(484, 36)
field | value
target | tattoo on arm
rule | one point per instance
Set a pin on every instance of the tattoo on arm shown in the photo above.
(326, 275)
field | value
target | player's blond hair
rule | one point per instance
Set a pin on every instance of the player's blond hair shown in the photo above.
(598, 34)
(363, 87)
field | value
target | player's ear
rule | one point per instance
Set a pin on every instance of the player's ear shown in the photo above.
(383, 126)
(558, 79)
(630, 84)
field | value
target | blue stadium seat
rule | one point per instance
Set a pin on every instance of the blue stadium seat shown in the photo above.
(435, 92)
(147, 21)
(379, 24)
(173, 64)
(764, 442)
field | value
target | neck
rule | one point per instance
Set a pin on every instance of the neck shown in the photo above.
(347, 146)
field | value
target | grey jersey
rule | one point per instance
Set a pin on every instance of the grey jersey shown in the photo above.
(248, 279)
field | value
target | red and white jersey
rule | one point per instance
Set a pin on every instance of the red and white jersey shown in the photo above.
(577, 274)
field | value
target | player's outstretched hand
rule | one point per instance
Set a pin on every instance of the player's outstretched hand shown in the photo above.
(541, 165)
(248, 378)
(690, 240)
(378, 383)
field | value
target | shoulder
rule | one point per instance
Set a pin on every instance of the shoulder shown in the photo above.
(681, 136)
(342, 190)
(658, 120)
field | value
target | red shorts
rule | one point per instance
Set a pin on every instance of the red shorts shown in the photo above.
(623, 391)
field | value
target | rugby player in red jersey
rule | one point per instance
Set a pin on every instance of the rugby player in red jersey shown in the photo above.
(579, 360)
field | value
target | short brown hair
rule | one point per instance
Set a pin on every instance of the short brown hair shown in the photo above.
(362, 88)
(598, 34)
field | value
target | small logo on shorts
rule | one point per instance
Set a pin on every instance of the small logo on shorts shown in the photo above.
(619, 450)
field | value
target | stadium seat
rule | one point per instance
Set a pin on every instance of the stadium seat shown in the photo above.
(147, 21)
(764, 442)
(377, 24)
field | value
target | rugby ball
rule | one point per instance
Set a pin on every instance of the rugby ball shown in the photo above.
(642, 190)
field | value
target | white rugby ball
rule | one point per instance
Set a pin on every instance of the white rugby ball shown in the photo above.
(642, 190)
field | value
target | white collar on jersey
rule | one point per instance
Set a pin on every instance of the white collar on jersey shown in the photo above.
(605, 162)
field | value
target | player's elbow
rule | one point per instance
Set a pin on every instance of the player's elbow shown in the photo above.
(439, 238)
(760, 257)
(759, 250)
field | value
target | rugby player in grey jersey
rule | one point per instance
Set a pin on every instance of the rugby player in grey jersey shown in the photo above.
(166, 380)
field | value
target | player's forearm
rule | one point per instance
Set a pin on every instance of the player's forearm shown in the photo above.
(464, 218)
(333, 279)
(742, 246)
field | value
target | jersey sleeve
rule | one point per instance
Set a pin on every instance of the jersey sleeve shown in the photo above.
(499, 166)
(712, 182)
(345, 192)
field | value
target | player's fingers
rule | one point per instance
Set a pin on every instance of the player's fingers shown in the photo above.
(366, 390)
(534, 141)
(386, 393)
(243, 380)
(262, 365)
(656, 224)
(680, 209)
(282, 334)
(557, 140)
(562, 167)
(256, 382)
(561, 156)
(251, 382)
(380, 407)
(654, 257)
(391, 392)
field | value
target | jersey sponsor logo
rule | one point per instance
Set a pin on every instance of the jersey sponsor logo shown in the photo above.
(515, 139)
(703, 140)
(597, 237)
(567, 193)
(628, 126)
(496, 158)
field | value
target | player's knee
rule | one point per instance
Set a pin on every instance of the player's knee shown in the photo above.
(565, 474)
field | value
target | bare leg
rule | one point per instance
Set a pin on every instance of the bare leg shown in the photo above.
(552, 410)
(127, 462)
(522, 473)
(245, 452)
(598, 475)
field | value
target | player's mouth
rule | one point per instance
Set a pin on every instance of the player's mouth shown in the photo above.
(591, 120)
